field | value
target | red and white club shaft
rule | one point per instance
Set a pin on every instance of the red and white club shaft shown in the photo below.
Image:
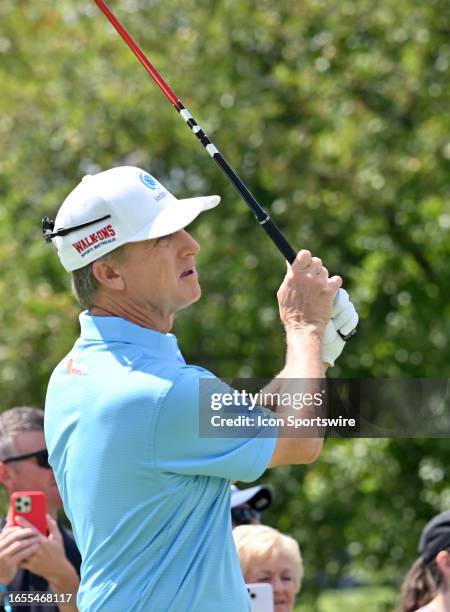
(262, 216)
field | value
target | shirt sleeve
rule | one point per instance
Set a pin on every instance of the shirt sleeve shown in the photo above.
(183, 445)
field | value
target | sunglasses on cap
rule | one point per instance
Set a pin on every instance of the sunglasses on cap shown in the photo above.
(48, 226)
(41, 458)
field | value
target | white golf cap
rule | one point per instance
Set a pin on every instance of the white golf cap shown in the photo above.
(259, 497)
(118, 206)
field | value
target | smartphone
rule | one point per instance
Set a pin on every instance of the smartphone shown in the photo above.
(261, 597)
(32, 505)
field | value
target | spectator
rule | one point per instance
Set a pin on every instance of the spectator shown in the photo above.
(426, 587)
(29, 561)
(268, 556)
(247, 504)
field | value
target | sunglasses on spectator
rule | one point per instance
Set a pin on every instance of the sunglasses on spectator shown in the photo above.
(40, 455)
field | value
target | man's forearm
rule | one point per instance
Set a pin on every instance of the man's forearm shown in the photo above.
(304, 354)
(302, 374)
(303, 361)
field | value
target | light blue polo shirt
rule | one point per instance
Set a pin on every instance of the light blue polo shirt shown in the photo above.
(148, 498)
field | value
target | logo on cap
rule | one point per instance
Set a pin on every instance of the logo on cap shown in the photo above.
(148, 180)
(86, 245)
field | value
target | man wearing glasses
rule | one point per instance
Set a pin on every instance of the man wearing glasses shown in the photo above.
(29, 561)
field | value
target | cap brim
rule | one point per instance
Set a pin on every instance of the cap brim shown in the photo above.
(246, 496)
(208, 202)
(176, 217)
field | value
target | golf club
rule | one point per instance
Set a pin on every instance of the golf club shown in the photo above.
(262, 216)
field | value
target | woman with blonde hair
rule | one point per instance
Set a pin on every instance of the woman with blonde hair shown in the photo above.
(426, 587)
(266, 555)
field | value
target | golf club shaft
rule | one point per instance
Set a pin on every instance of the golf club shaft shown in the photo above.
(261, 215)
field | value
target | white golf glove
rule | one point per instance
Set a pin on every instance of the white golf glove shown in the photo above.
(344, 315)
(344, 319)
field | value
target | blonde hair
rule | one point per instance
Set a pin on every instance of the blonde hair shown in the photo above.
(257, 543)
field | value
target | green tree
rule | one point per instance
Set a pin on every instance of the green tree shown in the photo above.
(336, 115)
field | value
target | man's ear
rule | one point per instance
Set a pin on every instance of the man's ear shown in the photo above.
(108, 274)
(5, 475)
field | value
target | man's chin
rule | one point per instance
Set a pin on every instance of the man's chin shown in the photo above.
(195, 296)
(199, 295)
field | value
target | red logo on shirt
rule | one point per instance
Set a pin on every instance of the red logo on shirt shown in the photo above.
(71, 369)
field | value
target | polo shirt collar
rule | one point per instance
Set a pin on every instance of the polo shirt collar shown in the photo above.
(116, 329)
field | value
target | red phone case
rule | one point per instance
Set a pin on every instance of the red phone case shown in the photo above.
(32, 505)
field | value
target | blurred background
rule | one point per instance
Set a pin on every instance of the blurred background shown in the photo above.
(336, 115)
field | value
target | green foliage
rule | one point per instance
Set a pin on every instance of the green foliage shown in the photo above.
(368, 599)
(359, 510)
(336, 115)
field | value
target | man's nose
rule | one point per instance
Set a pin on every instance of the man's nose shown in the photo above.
(190, 246)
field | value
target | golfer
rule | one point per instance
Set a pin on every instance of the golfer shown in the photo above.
(148, 498)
